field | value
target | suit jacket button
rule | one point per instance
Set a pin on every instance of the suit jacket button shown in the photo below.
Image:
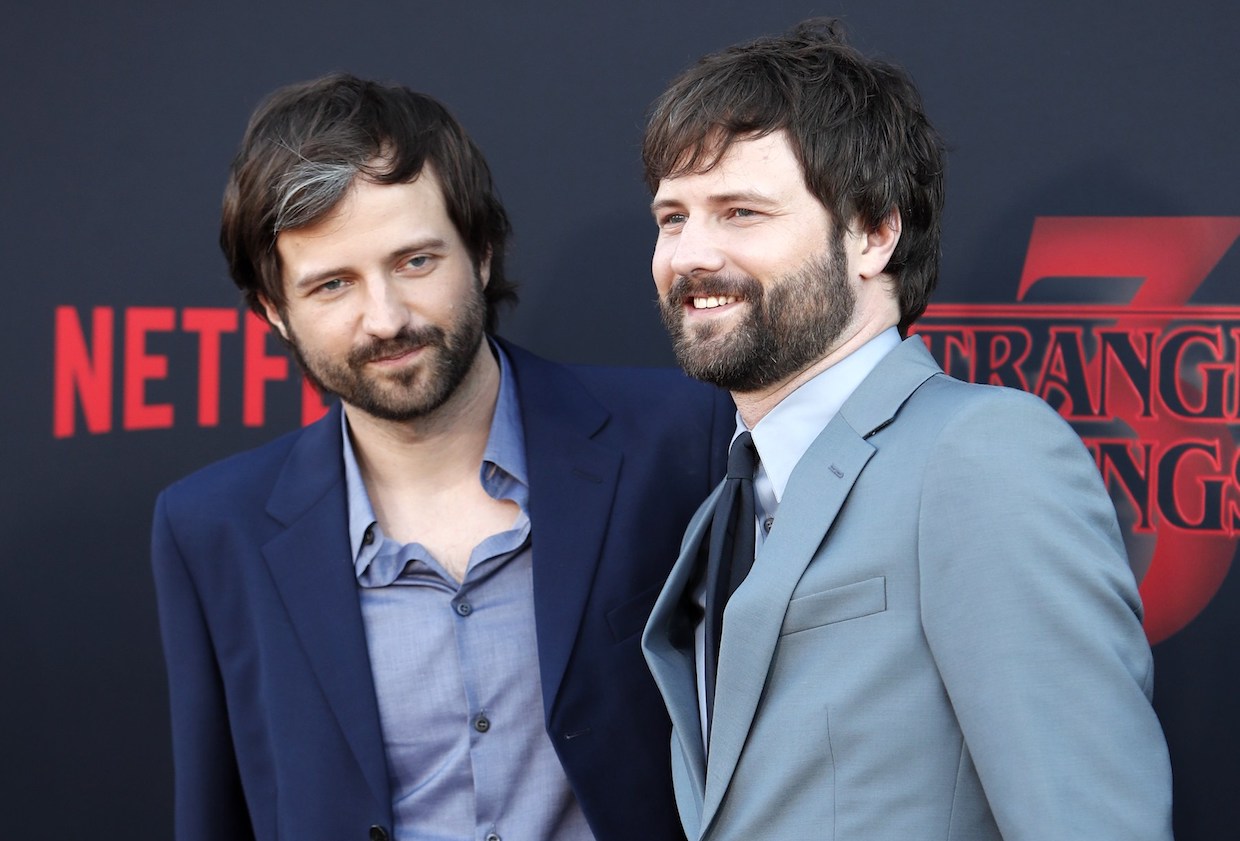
(378, 833)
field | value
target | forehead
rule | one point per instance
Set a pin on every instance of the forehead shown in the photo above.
(368, 205)
(763, 164)
(369, 223)
(420, 197)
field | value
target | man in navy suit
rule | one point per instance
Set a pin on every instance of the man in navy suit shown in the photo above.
(419, 618)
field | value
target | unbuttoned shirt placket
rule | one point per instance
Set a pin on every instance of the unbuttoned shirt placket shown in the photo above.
(455, 666)
(472, 721)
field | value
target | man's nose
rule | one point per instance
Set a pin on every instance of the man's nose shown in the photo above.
(697, 251)
(385, 312)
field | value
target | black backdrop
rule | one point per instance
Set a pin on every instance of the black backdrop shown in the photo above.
(118, 123)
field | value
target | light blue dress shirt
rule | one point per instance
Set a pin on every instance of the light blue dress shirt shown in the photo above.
(455, 667)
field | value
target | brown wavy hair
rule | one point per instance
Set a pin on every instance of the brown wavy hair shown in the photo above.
(307, 143)
(855, 124)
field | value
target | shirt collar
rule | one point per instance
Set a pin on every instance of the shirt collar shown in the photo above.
(786, 432)
(503, 470)
(506, 442)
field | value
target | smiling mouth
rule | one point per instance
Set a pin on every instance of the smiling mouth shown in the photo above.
(710, 302)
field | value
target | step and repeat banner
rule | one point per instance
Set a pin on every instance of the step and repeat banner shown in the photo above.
(1090, 257)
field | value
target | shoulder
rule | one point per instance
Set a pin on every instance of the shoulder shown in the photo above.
(986, 439)
(909, 382)
(998, 410)
(243, 480)
(648, 404)
(644, 386)
(650, 393)
(656, 417)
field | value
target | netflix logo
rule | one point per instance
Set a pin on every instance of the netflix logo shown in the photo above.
(104, 368)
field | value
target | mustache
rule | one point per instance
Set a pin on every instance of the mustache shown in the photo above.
(406, 340)
(741, 286)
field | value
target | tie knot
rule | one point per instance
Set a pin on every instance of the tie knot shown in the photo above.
(742, 458)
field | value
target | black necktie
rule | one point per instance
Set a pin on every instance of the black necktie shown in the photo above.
(731, 551)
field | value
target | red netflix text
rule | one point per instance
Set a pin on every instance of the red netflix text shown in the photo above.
(102, 358)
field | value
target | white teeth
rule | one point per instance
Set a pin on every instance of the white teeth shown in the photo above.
(708, 303)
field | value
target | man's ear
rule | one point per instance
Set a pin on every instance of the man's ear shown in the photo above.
(878, 245)
(273, 316)
(484, 269)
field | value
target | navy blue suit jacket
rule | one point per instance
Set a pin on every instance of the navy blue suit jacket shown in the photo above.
(276, 729)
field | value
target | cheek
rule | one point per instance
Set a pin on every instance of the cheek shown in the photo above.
(327, 330)
(660, 267)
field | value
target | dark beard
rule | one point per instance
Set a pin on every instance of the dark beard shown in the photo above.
(791, 323)
(414, 393)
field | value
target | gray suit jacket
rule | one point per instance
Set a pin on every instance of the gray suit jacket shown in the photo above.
(940, 638)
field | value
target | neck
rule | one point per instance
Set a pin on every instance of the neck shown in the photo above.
(422, 451)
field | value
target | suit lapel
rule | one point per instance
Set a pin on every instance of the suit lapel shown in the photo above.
(671, 659)
(310, 562)
(572, 484)
(815, 493)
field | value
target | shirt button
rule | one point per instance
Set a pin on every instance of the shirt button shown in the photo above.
(369, 537)
(482, 724)
(491, 836)
(464, 608)
(768, 522)
(378, 833)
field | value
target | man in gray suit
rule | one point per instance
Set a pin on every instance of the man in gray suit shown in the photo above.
(940, 636)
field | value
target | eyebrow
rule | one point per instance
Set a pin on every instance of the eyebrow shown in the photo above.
(734, 197)
(429, 243)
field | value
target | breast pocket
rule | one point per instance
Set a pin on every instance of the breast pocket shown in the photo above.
(839, 604)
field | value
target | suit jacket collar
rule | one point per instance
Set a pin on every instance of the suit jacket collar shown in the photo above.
(878, 399)
(816, 490)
